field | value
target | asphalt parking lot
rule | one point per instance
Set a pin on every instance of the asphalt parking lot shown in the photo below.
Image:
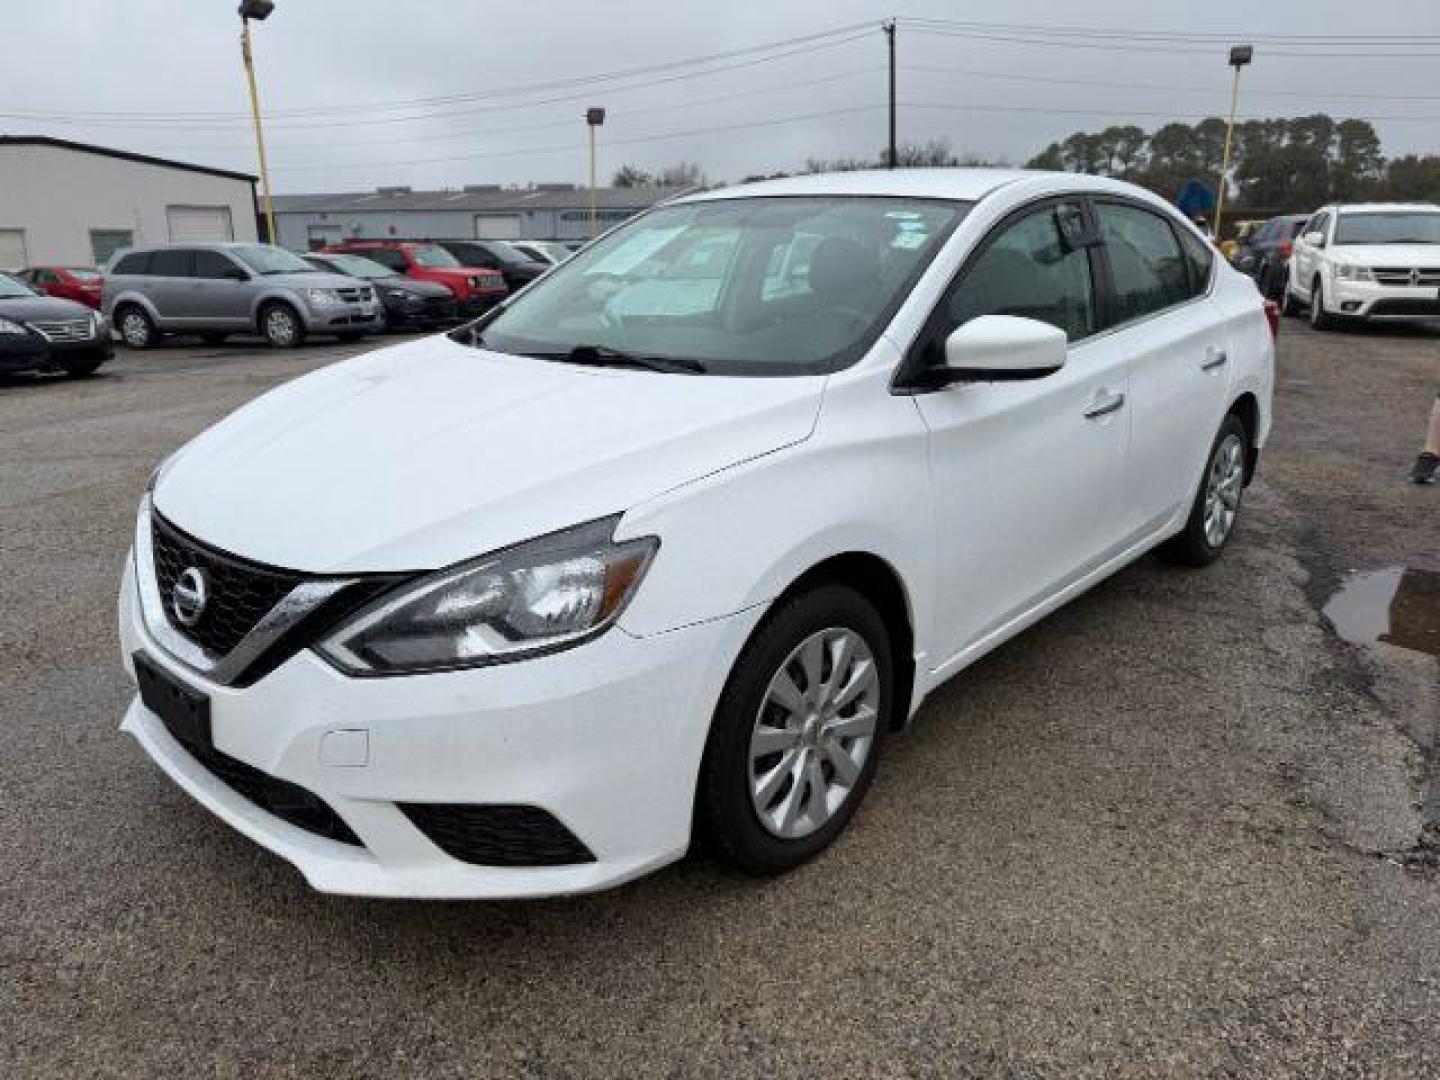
(1179, 828)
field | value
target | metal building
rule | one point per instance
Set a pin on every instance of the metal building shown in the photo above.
(543, 212)
(74, 204)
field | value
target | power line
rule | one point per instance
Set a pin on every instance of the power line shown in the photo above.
(1192, 36)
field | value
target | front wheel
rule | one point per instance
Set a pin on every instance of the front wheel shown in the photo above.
(136, 328)
(1288, 305)
(797, 736)
(1320, 319)
(282, 327)
(1217, 502)
(81, 367)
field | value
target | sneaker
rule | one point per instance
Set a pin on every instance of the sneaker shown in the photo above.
(1426, 465)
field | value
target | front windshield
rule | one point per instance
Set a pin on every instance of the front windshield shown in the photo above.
(265, 259)
(433, 256)
(750, 286)
(355, 266)
(10, 288)
(507, 254)
(1389, 227)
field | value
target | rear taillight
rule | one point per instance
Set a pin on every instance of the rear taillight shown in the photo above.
(1272, 316)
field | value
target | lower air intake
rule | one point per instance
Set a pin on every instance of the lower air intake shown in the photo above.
(497, 835)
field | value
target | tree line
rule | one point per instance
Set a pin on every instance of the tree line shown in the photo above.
(1280, 165)
(1291, 164)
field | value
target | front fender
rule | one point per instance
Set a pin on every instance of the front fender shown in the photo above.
(740, 537)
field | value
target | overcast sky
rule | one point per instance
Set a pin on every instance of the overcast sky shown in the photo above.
(166, 57)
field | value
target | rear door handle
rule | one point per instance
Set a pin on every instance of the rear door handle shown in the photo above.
(1214, 359)
(1105, 404)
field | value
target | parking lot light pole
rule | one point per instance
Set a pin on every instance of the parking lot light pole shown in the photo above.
(1240, 55)
(259, 10)
(593, 119)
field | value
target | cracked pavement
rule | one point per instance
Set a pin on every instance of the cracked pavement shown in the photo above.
(1176, 829)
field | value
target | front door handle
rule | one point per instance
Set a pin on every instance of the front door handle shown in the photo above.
(1214, 359)
(1105, 404)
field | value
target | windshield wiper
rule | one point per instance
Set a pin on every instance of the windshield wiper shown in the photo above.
(604, 356)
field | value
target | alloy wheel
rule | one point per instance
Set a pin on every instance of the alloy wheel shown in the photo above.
(280, 326)
(813, 732)
(135, 330)
(1223, 486)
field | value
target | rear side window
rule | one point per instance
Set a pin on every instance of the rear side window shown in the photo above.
(171, 262)
(1147, 266)
(137, 262)
(1031, 269)
(211, 264)
(1199, 259)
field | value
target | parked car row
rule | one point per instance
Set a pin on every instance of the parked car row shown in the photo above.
(1349, 263)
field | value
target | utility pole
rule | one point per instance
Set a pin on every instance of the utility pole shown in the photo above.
(593, 119)
(257, 10)
(891, 157)
(1240, 55)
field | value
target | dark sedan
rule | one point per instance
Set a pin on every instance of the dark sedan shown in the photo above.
(517, 268)
(1265, 253)
(407, 302)
(45, 333)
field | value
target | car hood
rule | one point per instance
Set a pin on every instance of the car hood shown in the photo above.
(41, 307)
(431, 452)
(315, 279)
(1406, 255)
(431, 289)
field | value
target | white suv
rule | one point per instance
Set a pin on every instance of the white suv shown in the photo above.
(1367, 261)
(521, 609)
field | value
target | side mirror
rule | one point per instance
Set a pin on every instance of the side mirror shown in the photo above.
(1314, 239)
(1002, 348)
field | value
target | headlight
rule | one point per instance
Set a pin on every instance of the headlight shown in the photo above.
(401, 294)
(538, 597)
(8, 327)
(1348, 272)
(97, 323)
(323, 297)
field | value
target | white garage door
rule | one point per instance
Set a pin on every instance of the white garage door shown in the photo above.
(198, 224)
(12, 249)
(497, 226)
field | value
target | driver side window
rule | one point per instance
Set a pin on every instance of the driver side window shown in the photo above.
(1032, 269)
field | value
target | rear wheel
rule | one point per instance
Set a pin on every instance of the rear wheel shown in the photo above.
(282, 326)
(1217, 501)
(136, 328)
(798, 733)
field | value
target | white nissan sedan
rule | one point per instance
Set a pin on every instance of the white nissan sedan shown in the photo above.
(665, 548)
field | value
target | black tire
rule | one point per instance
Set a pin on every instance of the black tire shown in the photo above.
(1195, 545)
(727, 822)
(81, 367)
(281, 326)
(214, 337)
(136, 328)
(1320, 319)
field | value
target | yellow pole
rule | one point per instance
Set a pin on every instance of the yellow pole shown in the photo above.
(594, 209)
(259, 131)
(1225, 165)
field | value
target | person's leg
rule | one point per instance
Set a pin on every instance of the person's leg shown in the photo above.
(1428, 463)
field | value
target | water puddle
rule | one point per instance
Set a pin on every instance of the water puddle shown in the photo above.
(1396, 606)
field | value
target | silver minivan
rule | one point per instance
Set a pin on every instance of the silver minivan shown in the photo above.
(218, 289)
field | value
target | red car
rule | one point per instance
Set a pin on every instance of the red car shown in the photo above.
(476, 290)
(77, 283)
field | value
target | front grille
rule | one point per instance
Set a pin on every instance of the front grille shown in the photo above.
(66, 330)
(1426, 277)
(1414, 307)
(362, 294)
(289, 802)
(240, 593)
(497, 835)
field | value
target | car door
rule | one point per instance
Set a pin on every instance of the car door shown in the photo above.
(1025, 473)
(168, 284)
(1162, 320)
(219, 291)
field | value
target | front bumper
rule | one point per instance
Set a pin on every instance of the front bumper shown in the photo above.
(34, 353)
(606, 738)
(343, 318)
(1370, 300)
(421, 311)
(479, 303)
